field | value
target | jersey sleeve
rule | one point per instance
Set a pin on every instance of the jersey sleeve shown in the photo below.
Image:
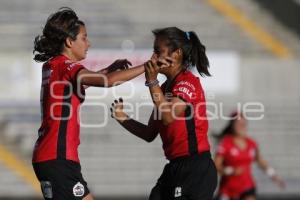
(186, 90)
(72, 70)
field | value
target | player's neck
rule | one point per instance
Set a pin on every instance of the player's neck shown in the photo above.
(239, 137)
(174, 73)
(69, 55)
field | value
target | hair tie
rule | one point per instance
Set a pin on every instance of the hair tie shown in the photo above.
(188, 35)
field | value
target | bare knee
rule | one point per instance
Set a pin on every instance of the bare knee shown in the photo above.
(249, 198)
(88, 197)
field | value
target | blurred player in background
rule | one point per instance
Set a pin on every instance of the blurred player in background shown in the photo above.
(235, 155)
(62, 44)
(179, 117)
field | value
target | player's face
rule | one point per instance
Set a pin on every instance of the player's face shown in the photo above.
(81, 45)
(161, 50)
(240, 126)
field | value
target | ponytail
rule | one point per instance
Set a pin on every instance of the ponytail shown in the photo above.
(198, 56)
(46, 48)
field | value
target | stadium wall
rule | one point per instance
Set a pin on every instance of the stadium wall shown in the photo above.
(287, 12)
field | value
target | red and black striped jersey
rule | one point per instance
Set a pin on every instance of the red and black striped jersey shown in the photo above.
(186, 135)
(60, 100)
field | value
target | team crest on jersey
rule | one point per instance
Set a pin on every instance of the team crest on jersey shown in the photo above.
(47, 189)
(78, 190)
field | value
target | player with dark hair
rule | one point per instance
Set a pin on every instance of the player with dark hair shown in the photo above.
(62, 44)
(179, 116)
(235, 155)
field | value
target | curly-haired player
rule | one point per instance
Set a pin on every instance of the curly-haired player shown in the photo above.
(62, 44)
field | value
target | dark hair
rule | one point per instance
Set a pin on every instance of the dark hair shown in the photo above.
(193, 50)
(60, 25)
(229, 128)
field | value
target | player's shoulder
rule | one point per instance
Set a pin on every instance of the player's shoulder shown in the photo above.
(64, 63)
(251, 141)
(225, 143)
(188, 79)
(227, 139)
(187, 74)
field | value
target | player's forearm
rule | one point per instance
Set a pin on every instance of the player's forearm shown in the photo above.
(164, 107)
(136, 128)
(270, 171)
(118, 77)
(262, 164)
(219, 165)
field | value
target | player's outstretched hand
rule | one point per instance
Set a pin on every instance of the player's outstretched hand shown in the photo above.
(117, 111)
(277, 179)
(119, 64)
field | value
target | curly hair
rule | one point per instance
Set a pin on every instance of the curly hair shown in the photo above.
(59, 26)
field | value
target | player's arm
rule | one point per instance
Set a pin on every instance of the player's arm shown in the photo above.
(226, 170)
(219, 164)
(263, 164)
(146, 132)
(169, 110)
(119, 64)
(223, 170)
(107, 77)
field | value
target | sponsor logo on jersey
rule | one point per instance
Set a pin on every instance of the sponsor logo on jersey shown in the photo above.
(186, 83)
(186, 91)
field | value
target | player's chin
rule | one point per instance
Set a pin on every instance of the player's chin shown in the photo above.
(163, 70)
(83, 56)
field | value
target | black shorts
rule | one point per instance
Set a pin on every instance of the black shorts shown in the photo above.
(243, 196)
(187, 178)
(250, 192)
(61, 180)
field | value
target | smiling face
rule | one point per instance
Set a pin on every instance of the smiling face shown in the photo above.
(80, 45)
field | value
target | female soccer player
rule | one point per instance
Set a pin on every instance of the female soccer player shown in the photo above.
(63, 43)
(179, 117)
(235, 154)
